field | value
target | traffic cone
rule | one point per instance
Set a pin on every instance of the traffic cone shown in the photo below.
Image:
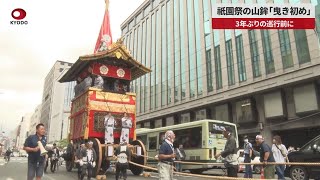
(262, 173)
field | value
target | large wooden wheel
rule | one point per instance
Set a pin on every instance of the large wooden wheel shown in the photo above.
(97, 147)
(136, 170)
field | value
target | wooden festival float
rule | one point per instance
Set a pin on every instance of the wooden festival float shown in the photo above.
(90, 105)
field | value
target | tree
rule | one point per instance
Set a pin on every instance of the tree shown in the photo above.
(63, 143)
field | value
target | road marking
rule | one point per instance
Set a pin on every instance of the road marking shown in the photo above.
(9, 179)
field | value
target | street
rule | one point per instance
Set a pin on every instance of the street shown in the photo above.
(16, 169)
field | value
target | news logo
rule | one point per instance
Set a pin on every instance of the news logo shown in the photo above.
(19, 15)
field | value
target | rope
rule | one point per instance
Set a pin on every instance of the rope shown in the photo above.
(268, 163)
(193, 175)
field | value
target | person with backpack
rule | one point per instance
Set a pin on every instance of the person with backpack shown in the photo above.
(280, 155)
(266, 156)
(123, 157)
(247, 151)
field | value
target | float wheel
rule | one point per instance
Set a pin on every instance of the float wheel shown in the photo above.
(97, 147)
(136, 170)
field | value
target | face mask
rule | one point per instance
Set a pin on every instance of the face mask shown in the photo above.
(246, 140)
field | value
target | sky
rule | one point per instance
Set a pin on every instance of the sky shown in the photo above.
(56, 30)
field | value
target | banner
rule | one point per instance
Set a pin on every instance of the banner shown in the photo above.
(105, 38)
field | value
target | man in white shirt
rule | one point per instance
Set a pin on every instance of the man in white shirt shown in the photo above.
(88, 161)
(109, 123)
(126, 123)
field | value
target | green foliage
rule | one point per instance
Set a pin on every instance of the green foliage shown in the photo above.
(62, 143)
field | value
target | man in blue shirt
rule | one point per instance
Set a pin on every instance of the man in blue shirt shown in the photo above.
(36, 162)
(166, 157)
(266, 156)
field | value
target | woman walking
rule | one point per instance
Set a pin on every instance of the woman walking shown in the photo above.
(280, 155)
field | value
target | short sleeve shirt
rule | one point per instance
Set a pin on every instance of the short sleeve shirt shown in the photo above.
(247, 148)
(166, 149)
(263, 149)
(32, 142)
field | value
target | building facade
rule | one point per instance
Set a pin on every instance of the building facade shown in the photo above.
(35, 119)
(23, 130)
(55, 97)
(266, 81)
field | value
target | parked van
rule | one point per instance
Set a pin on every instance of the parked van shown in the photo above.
(310, 152)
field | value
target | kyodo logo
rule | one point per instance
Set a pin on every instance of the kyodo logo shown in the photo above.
(18, 14)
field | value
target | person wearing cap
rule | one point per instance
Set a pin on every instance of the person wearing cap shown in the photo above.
(88, 161)
(126, 123)
(80, 153)
(109, 123)
(166, 157)
(266, 156)
(247, 151)
(123, 157)
(230, 153)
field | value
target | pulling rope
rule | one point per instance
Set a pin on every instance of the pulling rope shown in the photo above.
(193, 175)
(219, 164)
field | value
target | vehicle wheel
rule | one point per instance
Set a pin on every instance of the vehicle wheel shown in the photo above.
(257, 169)
(97, 147)
(298, 173)
(196, 171)
(136, 170)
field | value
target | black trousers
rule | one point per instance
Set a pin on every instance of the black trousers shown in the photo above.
(123, 169)
(232, 171)
(86, 168)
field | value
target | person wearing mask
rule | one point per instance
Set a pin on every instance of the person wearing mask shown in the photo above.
(35, 159)
(247, 150)
(266, 156)
(123, 157)
(229, 153)
(88, 161)
(166, 157)
(280, 155)
(181, 155)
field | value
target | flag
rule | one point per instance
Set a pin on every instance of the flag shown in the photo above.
(105, 38)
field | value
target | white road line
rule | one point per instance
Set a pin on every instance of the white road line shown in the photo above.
(9, 178)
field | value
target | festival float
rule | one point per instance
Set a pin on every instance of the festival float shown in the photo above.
(103, 87)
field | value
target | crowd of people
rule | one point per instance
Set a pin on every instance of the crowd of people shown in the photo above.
(99, 82)
(277, 152)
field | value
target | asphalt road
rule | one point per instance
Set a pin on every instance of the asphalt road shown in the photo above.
(16, 169)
